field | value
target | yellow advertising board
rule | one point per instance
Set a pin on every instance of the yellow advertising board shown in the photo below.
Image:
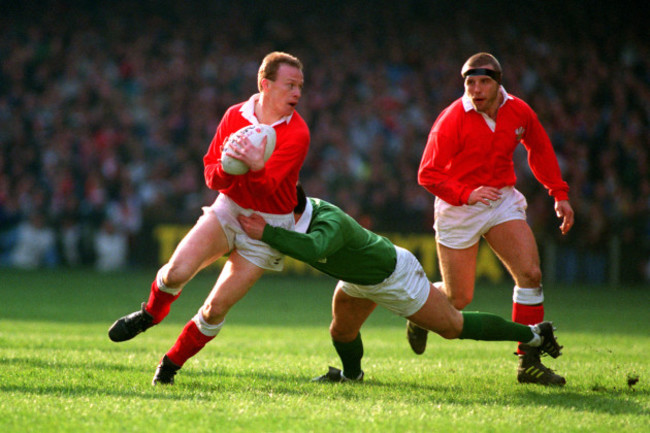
(422, 245)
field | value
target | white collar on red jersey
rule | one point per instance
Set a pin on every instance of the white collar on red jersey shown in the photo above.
(248, 111)
(467, 102)
(305, 219)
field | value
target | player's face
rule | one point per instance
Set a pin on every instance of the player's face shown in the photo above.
(484, 93)
(285, 92)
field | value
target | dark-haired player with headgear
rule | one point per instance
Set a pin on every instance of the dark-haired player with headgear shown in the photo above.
(468, 165)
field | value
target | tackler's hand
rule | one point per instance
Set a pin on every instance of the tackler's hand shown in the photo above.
(253, 225)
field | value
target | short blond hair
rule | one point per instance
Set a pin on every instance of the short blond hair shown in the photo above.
(271, 64)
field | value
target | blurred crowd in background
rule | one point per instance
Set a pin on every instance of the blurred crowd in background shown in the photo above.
(107, 108)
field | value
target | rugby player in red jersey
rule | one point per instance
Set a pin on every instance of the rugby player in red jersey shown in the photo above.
(468, 165)
(268, 189)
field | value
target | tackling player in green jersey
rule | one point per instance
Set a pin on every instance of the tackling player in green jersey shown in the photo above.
(373, 271)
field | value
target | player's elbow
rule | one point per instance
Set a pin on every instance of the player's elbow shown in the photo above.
(422, 181)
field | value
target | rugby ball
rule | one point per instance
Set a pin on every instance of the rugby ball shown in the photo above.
(256, 134)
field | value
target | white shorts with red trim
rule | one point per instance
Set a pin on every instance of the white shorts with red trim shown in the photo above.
(460, 227)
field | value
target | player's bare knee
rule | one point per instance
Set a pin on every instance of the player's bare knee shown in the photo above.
(341, 334)
(176, 275)
(450, 324)
(448, 333)
(532, 277)
(214, 313)
(460, 301)
(336, 333)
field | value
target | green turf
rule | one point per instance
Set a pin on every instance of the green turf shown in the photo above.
(59, 372)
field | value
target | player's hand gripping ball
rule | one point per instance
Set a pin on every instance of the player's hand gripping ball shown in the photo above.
(256, 134)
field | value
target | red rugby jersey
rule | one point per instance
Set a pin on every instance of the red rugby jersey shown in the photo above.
(272, 189)
(462, 152)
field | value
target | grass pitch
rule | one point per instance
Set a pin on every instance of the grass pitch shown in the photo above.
(61, 373)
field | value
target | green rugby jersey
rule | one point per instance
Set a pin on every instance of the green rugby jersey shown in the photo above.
(337, 245)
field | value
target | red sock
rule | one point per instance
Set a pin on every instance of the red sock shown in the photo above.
(527, 315)
(159, 303)
(188, 344)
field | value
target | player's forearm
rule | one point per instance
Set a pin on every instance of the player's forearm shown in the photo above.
(296, 245)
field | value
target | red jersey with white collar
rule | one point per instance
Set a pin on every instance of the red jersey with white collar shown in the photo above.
(273, 188)
(463, 152)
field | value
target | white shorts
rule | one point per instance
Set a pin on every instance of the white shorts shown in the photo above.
(256, 252)
(403, 293)
(460, 227)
